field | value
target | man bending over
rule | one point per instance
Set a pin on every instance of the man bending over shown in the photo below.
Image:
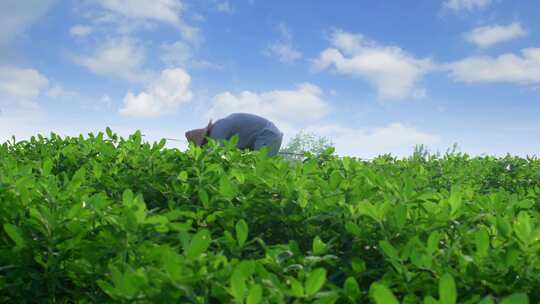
(254, 132)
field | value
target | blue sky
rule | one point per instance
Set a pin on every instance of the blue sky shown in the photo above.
(373, 77)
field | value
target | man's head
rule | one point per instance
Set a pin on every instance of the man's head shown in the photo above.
(198, 136)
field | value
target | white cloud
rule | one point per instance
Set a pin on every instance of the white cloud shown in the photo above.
(81, 30)
(225, 7)
(121, 54)
(160, 10)
(20, 123)
(198, 17)
(511, 68)
(284, 50)
(164, 95)
(16, 16)
(182, 54)
(165, 11)
(23, 90)
(304, 104)
(121, 58)
(285, 31)
(396, 138)
(392, 71)
(204, 64)
(58, 93)
(178, 53)
(21, 82)
(106, 100)
(487, 36)
(96, 104)
(21, 86)
(468, 5)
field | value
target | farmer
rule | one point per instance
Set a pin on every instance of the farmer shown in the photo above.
(254, 132)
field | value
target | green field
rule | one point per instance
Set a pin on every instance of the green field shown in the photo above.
(101, 219)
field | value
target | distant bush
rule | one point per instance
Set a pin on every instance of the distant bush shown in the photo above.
(305, 142)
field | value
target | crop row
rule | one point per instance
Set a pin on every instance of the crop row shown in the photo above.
(108, 219)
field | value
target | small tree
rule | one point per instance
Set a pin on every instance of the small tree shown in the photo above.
(422, 152)
(306, 142)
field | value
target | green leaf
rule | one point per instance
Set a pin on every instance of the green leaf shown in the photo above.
(241, 273)
(366, 208)
(47, 166)
(302, 198)
(15, 235)
(199, 244)
(238, 286)
(172, 262)
(109, 133)
(127, 197)
(229, 239)
(416, 256)
(430, 300)
(240, 177)
(318, 246)
(481, 238)
(297, 290)
(389, 250)
(161, 144)
(335, 179)
(97, 170)
(234, 140)
(522, 227)
(433, 242)
(503, 225)
(353, 229)
(447, 289)
(315, 281)
(245, 268)
(137, 137)
(535, 235)
(358, 265)
(77, 179)
(129, 283)
(327, 298)
(399, 216)
(381, 294)
(351, 288)
(183, 176)
(487, 300)
(517, 298)
(159, 221)
(184, 237)
(203, 197)
(255, 294)
(526, 204)
(455, 200)
(241, 232)
(140, 212)
(227, 188)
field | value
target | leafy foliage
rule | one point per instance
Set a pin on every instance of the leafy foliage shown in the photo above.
(103, 219)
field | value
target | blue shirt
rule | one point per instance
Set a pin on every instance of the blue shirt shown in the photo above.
(246, 126)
